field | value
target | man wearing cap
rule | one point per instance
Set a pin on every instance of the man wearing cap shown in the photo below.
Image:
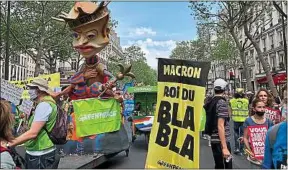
(217, 125)
(40, 150)
(239, 106)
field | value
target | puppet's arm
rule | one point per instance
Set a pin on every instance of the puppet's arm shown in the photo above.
(110, 75)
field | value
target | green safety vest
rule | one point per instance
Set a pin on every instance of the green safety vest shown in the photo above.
(240, 109)
(43, 141)
(203, 120)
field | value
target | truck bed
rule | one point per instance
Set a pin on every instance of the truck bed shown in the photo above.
(81, 162)
(74, 161)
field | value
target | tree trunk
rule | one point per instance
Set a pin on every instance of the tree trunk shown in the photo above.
(243, 60)
(246, 71)
(7, 56)
(264, 63)
(38, 58)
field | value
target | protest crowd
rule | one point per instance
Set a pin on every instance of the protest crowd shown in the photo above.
(259, 127)
(86, 117)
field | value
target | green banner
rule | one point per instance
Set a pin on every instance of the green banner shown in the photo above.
(96, 116)
(143, 89)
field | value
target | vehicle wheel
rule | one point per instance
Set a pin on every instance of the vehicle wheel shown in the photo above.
(127, 152)
(133, 138)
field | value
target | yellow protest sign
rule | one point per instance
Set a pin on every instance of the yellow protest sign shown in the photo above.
(174, 139)
(53, 82)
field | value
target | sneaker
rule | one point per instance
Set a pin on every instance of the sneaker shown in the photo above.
(204, 137)
(254, 161)
(236, 151)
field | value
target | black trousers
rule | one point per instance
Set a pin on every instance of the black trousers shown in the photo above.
(220, 161)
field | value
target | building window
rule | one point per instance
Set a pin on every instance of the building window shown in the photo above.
(272, 61)
(270, 19)
(73, 64)
(251, 73)
(259, 66)
(18, 73)
(281, 57)
(280, 37)
(271, 37)
(264, 43)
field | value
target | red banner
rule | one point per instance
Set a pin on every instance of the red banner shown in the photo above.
(273, 114)
(257, 135)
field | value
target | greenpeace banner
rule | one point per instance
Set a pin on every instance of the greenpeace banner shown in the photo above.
(96, 116)
(53, 82)
(174, 140)
(95, 127)
(257, 135)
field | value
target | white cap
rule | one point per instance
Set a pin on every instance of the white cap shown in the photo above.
(220, 84)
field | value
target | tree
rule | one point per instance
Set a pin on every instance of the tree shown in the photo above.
(225, 15)
(142, 71)
(225, 51)
(134, 53)
(183, 50)
(250, 15)
(197, 49)
(34, 30)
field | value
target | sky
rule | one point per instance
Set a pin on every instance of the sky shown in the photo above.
(154, 26)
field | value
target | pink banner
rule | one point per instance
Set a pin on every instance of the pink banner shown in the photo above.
(273, 114)
(257, 135)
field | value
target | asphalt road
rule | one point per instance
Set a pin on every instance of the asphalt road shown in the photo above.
(138, 153)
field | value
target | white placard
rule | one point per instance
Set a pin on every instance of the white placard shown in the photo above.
(26, 106)
(11, 92)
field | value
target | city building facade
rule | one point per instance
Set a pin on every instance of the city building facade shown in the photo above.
(270, 39)
(20, 67)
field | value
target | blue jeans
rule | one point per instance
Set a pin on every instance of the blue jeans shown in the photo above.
(47, 161)
(238, 132)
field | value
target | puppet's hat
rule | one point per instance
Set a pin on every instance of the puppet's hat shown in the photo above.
(83, 13)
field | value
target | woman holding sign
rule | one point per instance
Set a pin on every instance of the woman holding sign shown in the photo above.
(255, 129)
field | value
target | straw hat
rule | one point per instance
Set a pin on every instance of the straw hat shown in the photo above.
(42, 85)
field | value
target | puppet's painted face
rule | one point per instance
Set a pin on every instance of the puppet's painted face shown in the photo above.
(91, 38)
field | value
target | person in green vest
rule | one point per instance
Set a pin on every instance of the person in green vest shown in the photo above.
(40, 151)
(239, 107)
(202, 120)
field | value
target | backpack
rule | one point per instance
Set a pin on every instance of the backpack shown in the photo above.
(58, 134)
(210, 108)
(18, 160)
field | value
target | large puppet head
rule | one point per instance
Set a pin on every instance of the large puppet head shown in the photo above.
(89, 22)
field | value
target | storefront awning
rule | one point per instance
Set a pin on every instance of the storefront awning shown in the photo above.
(278, 78)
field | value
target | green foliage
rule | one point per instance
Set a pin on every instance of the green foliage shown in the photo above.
(142, 71)
(224, 49)
(134, 53)
(34, 32)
